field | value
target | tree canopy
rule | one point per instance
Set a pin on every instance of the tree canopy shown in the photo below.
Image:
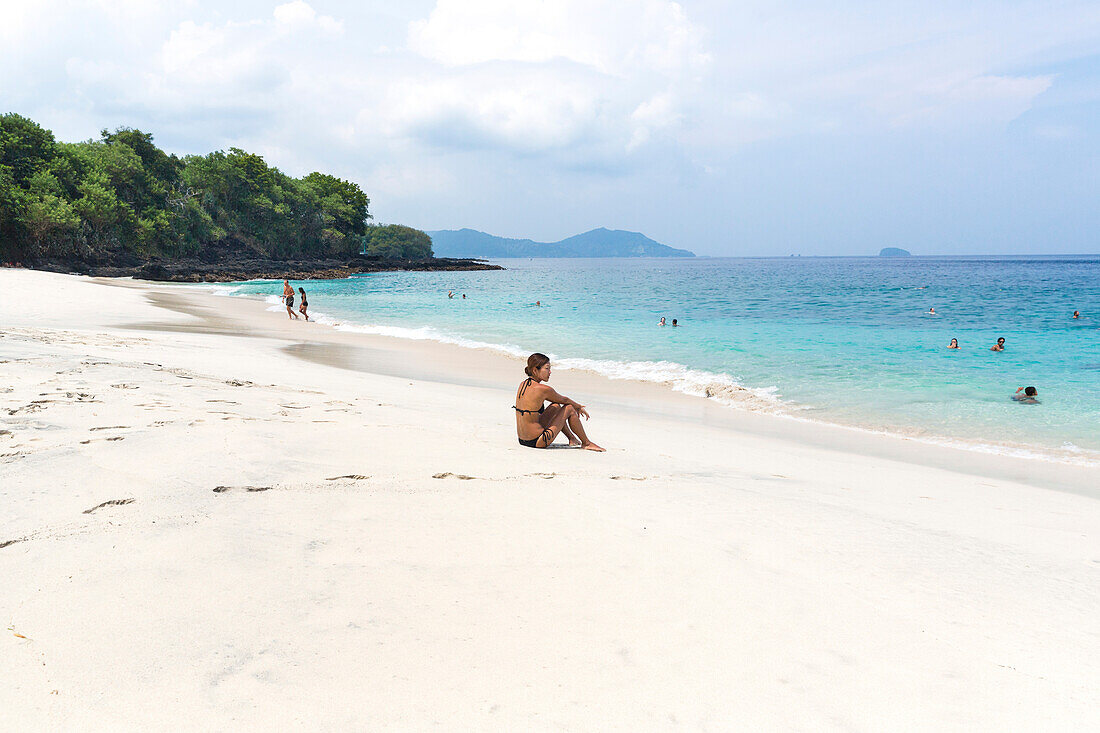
(394, 241)
(122, 198)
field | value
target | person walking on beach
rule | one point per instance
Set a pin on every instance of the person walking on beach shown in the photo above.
(538, 425)
(999, 346)
(288, 298)
(302, 308)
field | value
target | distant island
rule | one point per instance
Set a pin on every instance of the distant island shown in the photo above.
(894, 252)
(595, 243)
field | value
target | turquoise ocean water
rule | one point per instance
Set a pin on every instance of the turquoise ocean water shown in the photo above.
(840, 340)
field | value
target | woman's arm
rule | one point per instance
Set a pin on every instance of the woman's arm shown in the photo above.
(551, 395)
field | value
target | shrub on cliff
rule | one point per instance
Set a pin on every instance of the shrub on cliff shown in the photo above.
(394, 241)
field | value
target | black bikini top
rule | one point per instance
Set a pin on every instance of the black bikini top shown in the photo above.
(523, 389)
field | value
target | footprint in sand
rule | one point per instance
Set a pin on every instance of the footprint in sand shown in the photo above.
(249, 489)
(459, 476)
(112, 502)
(5, 543)
(543, 475)
(351, 476)
(631, 478)
(111, 427)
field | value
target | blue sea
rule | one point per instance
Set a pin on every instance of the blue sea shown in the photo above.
(842, 340)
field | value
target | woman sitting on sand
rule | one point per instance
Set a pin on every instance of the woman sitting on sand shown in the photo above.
(537, 425)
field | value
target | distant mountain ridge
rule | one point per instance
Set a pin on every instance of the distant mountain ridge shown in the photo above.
(595, 243)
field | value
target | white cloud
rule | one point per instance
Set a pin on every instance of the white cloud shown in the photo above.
(301, 13)
(540, 76)
(621, 38)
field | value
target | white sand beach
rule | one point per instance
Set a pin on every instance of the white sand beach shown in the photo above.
(218, 519)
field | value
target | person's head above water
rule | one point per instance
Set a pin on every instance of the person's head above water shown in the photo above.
(1030, 391)
(662, 321)
(538, 367)
(674, 323)
(954, 344)
(1001, 340)
(1076, 314)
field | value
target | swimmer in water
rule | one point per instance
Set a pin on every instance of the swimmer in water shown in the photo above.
(931, 311)
(538, 303)
(1076, 314)
(999, 346)
(464, 296)
(662, 323)
(674, 323)
(1030, 395)
(450, 294)
(954, 344)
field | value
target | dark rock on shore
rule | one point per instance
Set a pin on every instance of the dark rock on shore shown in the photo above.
(197, 270)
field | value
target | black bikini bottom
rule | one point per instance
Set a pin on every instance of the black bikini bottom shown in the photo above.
(546, 433)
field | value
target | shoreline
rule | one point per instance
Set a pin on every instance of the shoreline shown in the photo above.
(981, 458)
(197, 271)
(255, 524)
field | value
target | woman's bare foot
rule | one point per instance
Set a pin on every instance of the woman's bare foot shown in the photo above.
(574, 443)
(592, 446)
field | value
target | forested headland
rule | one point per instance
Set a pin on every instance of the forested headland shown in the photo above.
(120, 203)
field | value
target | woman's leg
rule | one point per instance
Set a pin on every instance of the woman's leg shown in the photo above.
(552, 421)
(558, 418)
(574, 422)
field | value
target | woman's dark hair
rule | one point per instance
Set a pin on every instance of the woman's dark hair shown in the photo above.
(535, 362)
(302, 290)
(1002, 338)
(1030, 391)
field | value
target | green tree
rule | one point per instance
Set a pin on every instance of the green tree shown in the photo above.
(394, 241)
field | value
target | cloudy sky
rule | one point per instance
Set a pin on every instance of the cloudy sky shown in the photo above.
(763, 127)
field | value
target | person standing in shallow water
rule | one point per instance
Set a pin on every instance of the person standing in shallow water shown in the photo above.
(954, 344)
(538, 425)
(304, 306)
(999, 346)
(288, 298)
